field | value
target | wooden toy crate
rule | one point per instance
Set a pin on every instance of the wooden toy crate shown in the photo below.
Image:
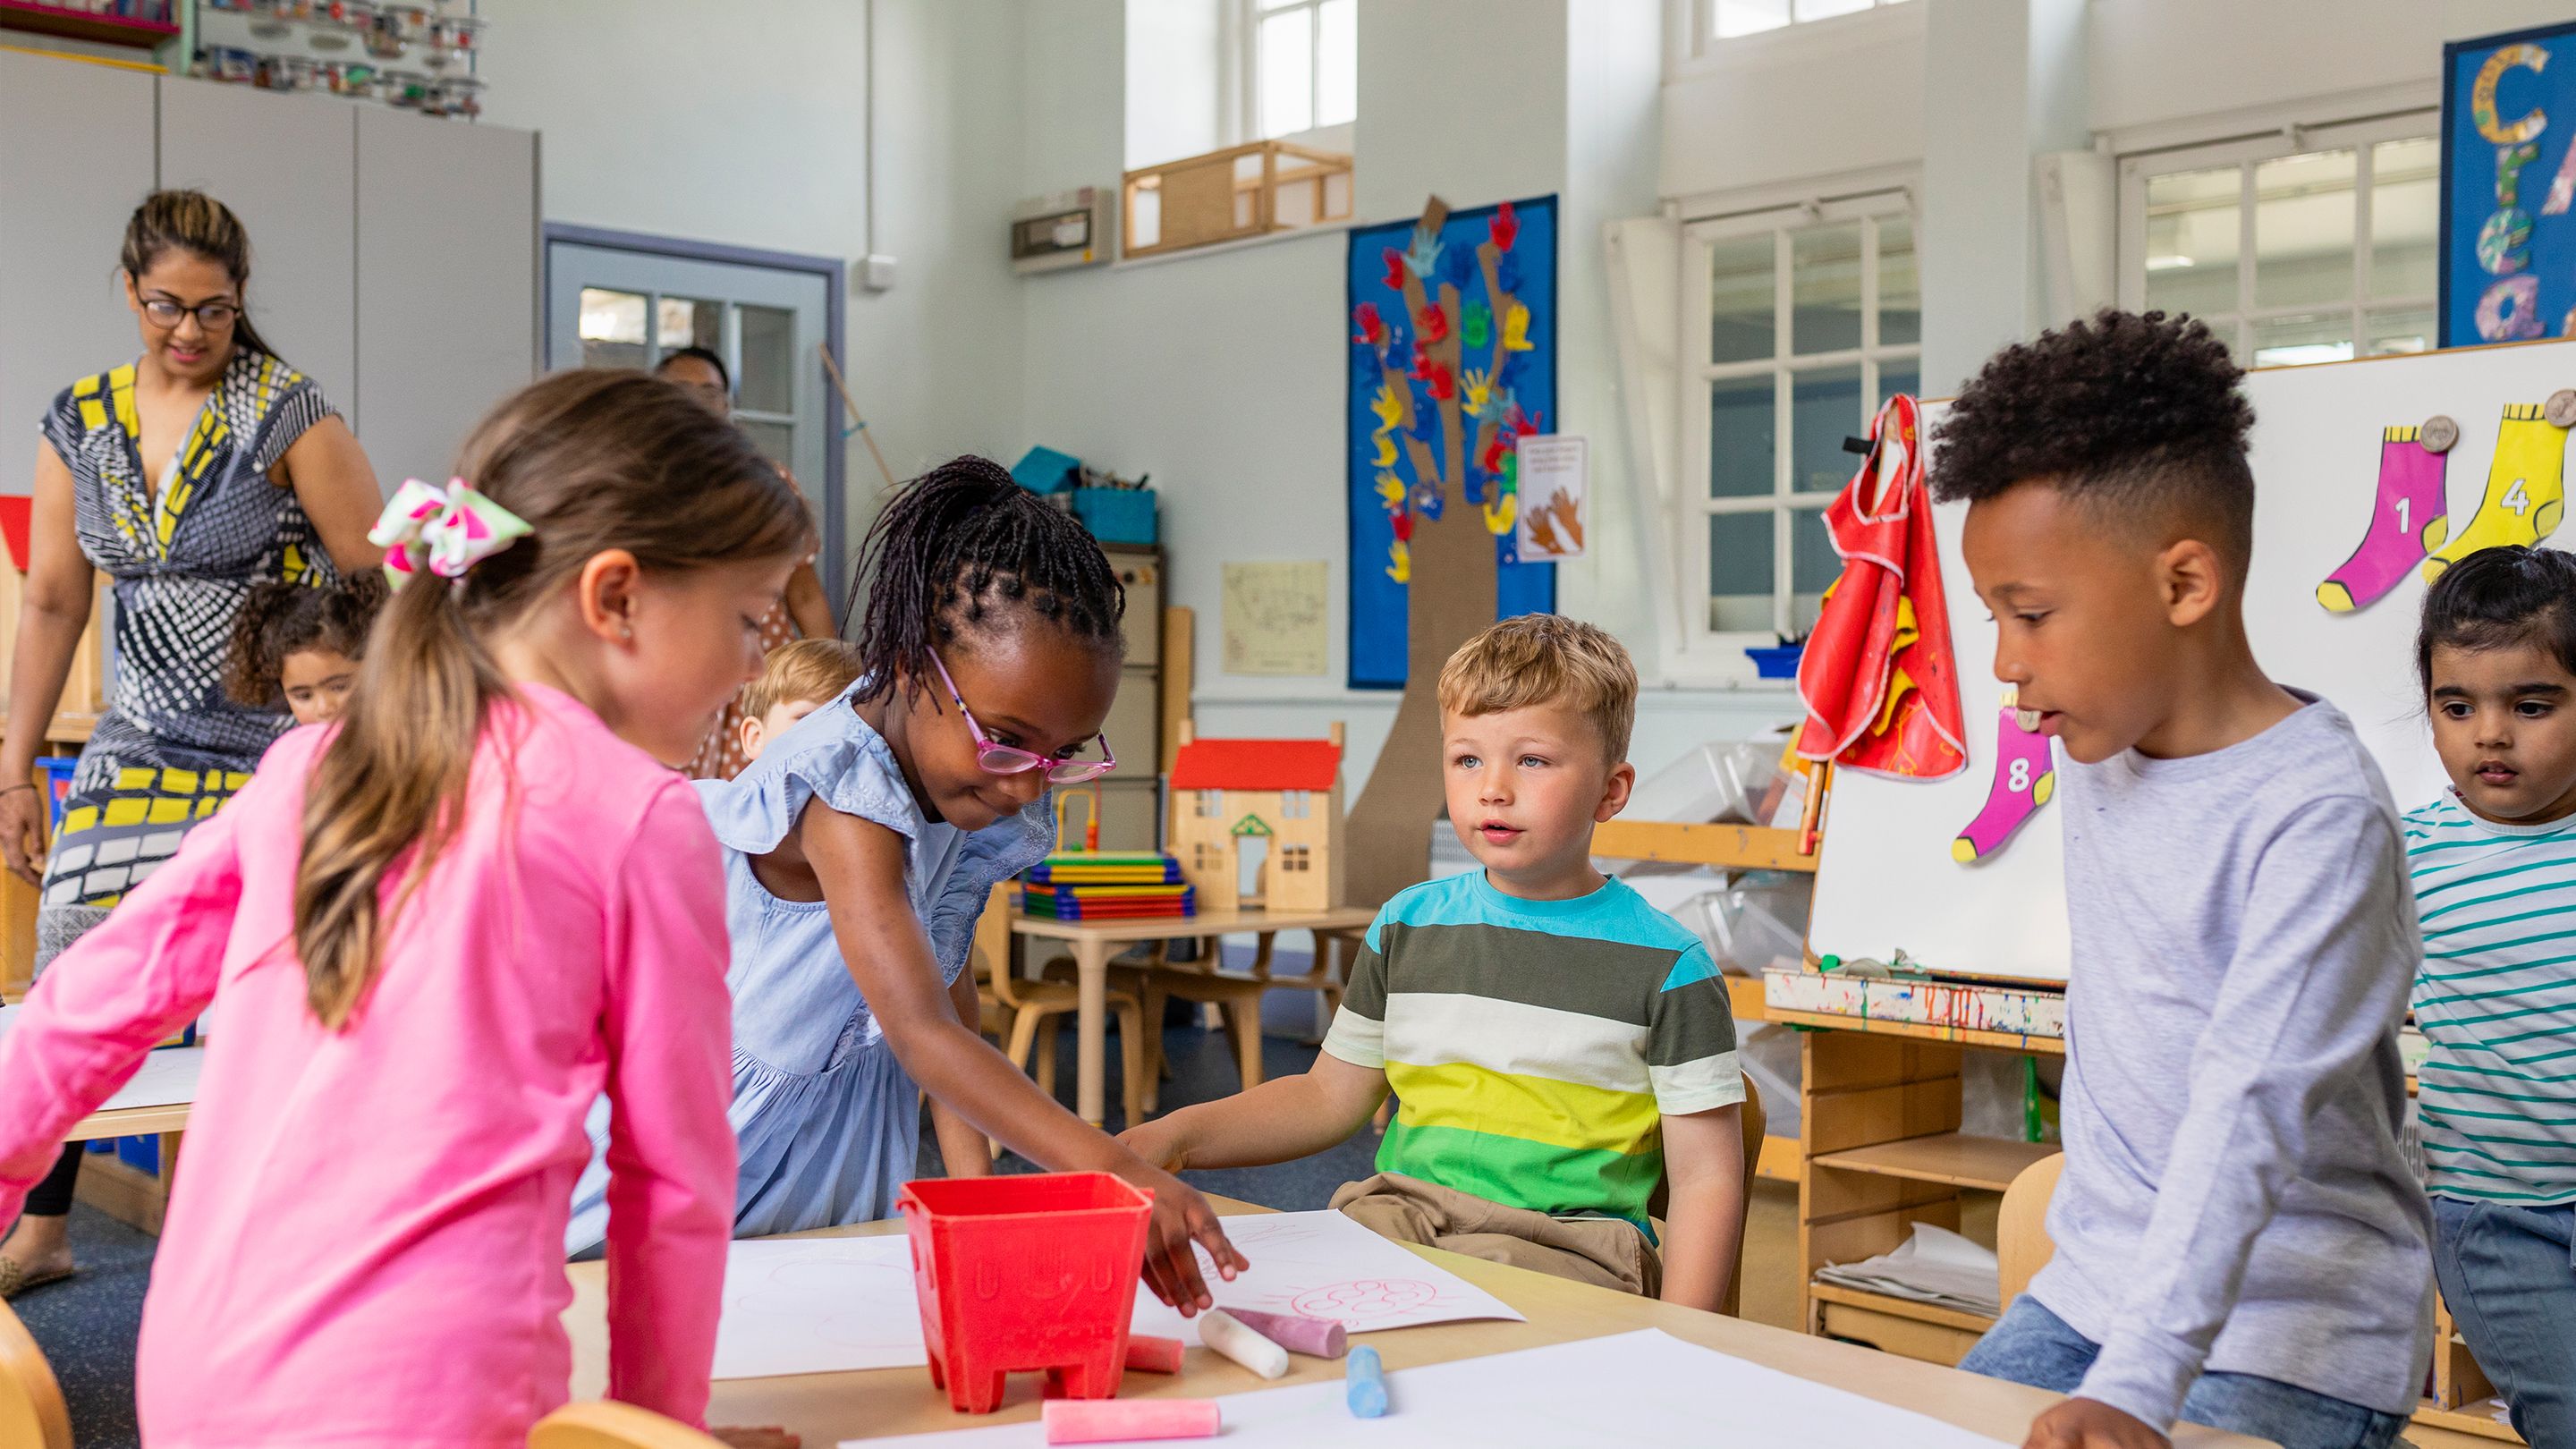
(1242, 191)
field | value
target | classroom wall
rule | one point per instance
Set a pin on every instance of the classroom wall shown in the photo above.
(685, 119)
(1222, 373)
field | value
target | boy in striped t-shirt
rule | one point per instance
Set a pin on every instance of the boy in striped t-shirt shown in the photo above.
(1559, 1048)
(2494, 865)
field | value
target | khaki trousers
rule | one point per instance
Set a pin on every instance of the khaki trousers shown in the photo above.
(1605, 1252)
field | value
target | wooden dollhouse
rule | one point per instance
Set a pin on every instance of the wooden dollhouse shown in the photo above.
(1258, 823)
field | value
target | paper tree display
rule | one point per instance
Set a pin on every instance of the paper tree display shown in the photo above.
(1258, 823)
(1451, 330)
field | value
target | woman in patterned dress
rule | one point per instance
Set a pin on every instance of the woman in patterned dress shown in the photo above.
(202, 468)
(805, 613)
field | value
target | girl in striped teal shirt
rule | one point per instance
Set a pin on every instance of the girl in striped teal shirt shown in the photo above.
(2494, 867)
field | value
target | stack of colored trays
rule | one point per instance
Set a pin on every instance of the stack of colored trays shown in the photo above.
(1088, 885)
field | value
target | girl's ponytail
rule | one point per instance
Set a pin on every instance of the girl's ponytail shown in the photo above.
(591, 460)
(395, 776)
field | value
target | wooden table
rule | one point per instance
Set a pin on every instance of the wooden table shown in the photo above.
(1094, 942)
(828, 1408)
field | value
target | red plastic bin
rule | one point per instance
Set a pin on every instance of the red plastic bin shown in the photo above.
(1025, 1274)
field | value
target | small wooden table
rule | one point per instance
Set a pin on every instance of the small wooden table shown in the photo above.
(828, 1408)
(1094, 942)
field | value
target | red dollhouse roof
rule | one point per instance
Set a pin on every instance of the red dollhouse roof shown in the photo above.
(1257, 765)
(15, 522)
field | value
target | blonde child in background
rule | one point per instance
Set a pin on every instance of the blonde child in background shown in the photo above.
(438, 930)
(300, 646)
(2494, 865)
(819, 1147)
(862, 846)
(1557, 1046)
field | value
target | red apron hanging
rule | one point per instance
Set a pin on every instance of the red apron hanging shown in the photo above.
(1878, 678)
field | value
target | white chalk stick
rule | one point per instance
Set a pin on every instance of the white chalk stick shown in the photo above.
(1228, 1335)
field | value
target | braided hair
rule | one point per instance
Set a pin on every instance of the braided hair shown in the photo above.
(963, 549)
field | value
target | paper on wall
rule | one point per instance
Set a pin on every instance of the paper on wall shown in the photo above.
(832, 1305)
(1274, 618)
(1556, 497)
(1646, 1387)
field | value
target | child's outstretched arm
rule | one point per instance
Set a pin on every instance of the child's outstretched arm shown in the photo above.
(671, 1182)
(861, 866)
(143, 973)
(963, 1151)
(1281, 1120)
(1704, 1226)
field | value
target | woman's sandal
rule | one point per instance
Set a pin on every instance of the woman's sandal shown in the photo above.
(15, 1279)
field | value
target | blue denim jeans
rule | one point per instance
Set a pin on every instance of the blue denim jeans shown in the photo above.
(2507, 1275)
(2033, 1346)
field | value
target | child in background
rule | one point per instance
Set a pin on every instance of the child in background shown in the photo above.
(300, 646)
(1558, 1047)
(791, 1015)
(865, 842)
(439, 929)
(2495, 865)
(2239, 1240)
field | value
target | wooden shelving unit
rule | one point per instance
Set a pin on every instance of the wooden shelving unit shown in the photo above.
(1959, 1159)
(73, 24)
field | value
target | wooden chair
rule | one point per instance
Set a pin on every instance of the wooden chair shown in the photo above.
(610, 1425)
(2022, 1246)
(31, 1402)
(991, 957)
(1032, 1008)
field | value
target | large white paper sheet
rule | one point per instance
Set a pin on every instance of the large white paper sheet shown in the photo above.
(167, 1078)
(820, 1305)
(1323, 1265)
(1626, 1390)
(832, 1305)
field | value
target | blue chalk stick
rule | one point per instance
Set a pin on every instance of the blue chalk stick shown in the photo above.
(1367, 1379)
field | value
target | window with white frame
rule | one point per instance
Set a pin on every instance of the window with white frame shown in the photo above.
(1727, 19)
(1301, 66)
(1797, 323)
(2299, 247)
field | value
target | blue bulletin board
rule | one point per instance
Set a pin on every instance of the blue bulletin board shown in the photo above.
(2509, 187)
(1419, 366)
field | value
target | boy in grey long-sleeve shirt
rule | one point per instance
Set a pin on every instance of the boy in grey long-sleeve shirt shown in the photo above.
(2239, 1242)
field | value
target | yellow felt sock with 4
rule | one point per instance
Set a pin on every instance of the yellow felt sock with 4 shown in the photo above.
(2526, 489)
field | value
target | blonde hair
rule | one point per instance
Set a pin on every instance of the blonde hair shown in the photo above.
(815, 669)
(593, 460)
(1540, 659)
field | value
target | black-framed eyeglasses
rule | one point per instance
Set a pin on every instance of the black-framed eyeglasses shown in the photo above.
(212, 316)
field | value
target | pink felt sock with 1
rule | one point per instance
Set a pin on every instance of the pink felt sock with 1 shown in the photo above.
(2408, 519)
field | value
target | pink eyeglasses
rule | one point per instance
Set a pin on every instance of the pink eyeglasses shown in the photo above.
(1005, 760)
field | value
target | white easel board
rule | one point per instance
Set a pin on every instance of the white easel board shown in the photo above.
(1885, 880)
(1642, 1388)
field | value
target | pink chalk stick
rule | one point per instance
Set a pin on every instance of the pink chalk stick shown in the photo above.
(1148, 1354)
(1111, 1421)
(1314, 1337)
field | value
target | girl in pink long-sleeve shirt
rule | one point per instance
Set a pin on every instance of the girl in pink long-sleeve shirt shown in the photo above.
(432, 936)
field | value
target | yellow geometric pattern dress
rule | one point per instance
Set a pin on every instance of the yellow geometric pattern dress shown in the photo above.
(172, 746)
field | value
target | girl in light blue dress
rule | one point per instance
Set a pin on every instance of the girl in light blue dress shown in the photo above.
(860, 850)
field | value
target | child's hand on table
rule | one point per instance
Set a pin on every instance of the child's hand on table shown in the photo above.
(2091, 1424)
(1181, 1217)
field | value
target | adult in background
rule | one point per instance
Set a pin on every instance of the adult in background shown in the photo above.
(198, 470)
(805, 613)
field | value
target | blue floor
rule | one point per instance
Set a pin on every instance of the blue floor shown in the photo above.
(86, 1325)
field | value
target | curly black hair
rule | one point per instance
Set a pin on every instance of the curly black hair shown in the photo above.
(279, 619)
(963, 549)
(2137, 415)
(2500, 596)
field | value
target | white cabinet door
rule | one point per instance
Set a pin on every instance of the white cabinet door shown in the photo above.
(287, 166)
(75, 160)
(447, 283)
